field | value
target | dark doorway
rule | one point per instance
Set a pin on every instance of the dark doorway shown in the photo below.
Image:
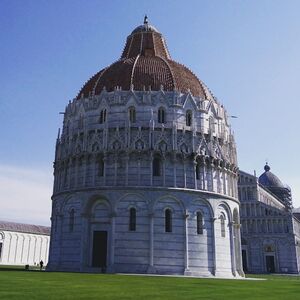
(244, 259)
(99, 249)
(270, 264)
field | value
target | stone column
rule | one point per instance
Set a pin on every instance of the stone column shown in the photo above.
(110, 268)
(84, 167)
(195, 174)
(76, 172)
(184, 172)
(69, 173)
(174, 160)
(224, 182)
(164, 170)
(232, 248)
(214, 248)
(85, 242)
(212, 176)
(126, 158)
(151, 169)
(219, 182)
(204, 186)
(186, 245)
(60, 236)
(151, 268)
(238, 249)
(115, 169)
(105, 159)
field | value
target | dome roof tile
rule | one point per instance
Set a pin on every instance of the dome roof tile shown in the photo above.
(146, 64)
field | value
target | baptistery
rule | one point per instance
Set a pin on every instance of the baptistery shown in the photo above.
(145, 171)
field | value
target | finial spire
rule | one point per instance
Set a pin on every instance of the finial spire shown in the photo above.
(146, 20)
(267, 167)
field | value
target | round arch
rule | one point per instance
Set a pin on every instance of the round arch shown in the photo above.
(154, 203)
(94, 200)
(227, 209)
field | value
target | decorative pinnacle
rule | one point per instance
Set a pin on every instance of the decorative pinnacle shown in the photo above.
(146, 20)
(267, 167)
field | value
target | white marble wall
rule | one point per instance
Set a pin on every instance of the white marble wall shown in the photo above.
(23, 248)
(149, 248)
(198, 171)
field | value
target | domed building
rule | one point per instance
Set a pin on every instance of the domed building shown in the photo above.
(145, 171)
(272, 183)
(270, 228)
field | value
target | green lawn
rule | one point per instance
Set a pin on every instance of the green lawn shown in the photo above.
(19, 284)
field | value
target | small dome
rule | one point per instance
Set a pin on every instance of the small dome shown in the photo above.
(268, 179)
(145, 64)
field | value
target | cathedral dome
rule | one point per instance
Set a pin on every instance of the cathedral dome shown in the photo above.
(145, 64)
(269, 180)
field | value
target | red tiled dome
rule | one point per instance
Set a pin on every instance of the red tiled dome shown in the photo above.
(146, 64)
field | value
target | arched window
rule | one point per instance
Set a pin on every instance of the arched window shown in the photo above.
(101, 167)
(197, 171)
(222, 221)
(161, 115)
(156, 166)
(188, 118)
(132, 219)
(168, 220)
(132, 114)
(199, 223)
(102, 118)
(72, 220)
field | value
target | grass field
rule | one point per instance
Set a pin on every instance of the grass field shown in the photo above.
(19, 284)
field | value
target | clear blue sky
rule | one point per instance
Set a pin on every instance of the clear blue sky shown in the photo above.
(247, 52)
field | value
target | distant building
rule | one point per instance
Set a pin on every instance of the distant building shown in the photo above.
(22, 244)
(270, 230)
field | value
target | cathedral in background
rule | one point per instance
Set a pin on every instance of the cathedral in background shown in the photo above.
(270, 227)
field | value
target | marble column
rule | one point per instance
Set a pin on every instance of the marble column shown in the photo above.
(85, 242)
(195, 173)
(238, 249)
(115, 169)
(214, 243)
(232, 248)
(164, 170)
(184, 172)
(126, 168)
(151, 268)
(186, 244)
(110, 268)
(151, 169)
(174, 160)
